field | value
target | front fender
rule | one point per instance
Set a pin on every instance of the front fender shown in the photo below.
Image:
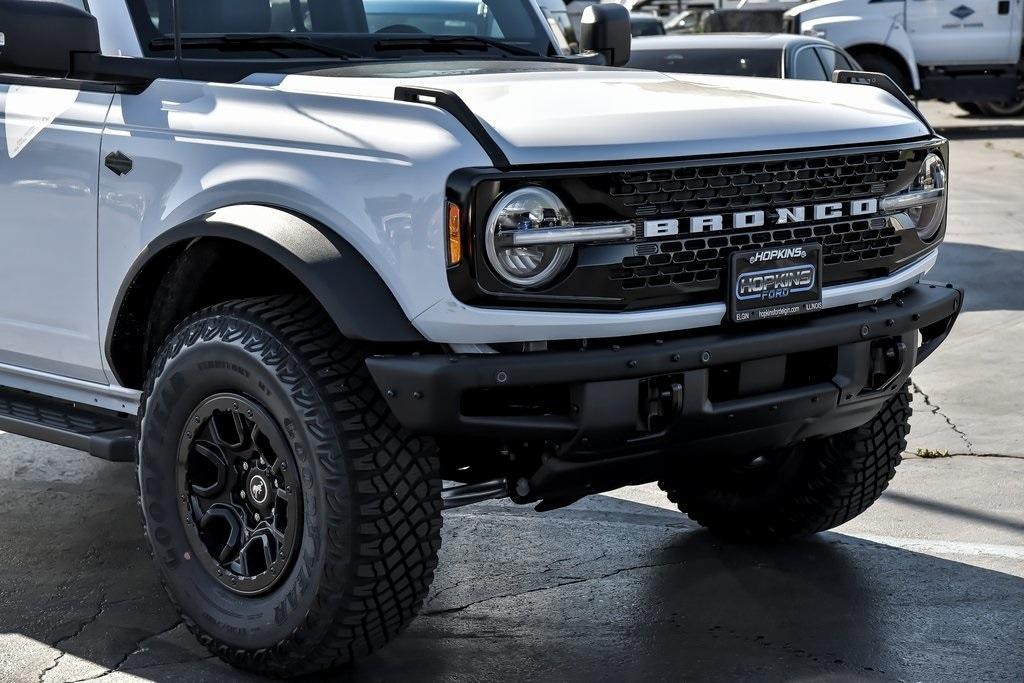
(346, 285)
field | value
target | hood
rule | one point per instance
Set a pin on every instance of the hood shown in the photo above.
(542, 113)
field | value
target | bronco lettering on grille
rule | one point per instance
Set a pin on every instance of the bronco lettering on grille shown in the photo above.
(744, 220)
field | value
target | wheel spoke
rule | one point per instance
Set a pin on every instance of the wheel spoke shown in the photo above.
(267, 555)
(215, 460)
(224, 440)
(231, 517)
(239, 421)
(277, 534)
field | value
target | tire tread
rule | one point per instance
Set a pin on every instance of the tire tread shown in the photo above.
(375, 582)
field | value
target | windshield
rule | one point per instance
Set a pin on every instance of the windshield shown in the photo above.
(763, 63)
(355, 26)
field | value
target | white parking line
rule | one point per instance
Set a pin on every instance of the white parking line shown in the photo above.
(930, 546)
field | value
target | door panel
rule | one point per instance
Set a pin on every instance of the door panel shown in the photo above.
(947, 32)
(49, 173)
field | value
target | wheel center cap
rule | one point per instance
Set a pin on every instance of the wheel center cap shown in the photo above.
(259, 491)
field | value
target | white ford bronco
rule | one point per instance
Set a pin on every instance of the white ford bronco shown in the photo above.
(323, 268)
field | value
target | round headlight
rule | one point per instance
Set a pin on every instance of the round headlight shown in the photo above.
(928, 217)
(531, 208)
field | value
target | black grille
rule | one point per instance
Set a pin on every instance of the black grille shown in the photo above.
(700, 263)
(726, 187)
(690, 268)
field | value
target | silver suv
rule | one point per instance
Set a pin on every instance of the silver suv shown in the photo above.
(302, 261)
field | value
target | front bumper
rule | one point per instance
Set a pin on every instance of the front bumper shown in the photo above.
(737, 389)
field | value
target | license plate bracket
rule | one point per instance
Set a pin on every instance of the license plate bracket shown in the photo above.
(774, 282)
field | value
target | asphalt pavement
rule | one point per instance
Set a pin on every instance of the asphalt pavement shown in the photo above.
(928, 585)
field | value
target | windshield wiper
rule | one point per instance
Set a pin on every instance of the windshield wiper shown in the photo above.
(267, 41)
(452, 43)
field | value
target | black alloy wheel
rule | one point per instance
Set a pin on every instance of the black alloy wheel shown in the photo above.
(294, 523)
(240, 493)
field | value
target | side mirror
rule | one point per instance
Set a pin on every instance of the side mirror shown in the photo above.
(42, 37)
(606, 29)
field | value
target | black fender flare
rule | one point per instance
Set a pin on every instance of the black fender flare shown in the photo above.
(351, 291)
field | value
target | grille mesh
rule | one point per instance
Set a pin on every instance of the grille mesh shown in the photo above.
(763, 183)
(701, 263)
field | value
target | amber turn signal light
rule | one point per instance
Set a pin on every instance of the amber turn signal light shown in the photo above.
(454, 235)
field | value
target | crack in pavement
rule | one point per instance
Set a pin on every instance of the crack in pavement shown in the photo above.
(936, 410)
(549, 567)
(971, 455)
(100, 607)
(136, 649)
(573, 581)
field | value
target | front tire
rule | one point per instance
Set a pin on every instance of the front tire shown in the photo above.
(813, 487)
(293, 521)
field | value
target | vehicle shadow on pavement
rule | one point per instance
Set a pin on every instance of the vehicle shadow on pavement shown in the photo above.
(992, 278)
(607, 589)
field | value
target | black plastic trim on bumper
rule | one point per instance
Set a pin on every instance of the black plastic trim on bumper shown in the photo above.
(425, 392)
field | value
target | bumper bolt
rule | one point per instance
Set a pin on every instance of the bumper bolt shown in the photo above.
(245, 466)
(390, 393)
(242, 494)
(705, 357)
(417, 395)
(865, 330)
(632, 364)
(501, 377)
(675, 357)
(890, 323)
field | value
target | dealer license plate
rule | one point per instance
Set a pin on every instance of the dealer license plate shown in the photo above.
(775, 282)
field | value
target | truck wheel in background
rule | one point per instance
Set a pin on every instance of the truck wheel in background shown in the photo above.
(870, 61)
(815, 486)
(295, 525)
(1002, 109)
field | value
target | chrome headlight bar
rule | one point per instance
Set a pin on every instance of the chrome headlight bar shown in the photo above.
(923, 204)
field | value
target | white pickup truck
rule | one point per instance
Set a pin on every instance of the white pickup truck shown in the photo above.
(963, 51)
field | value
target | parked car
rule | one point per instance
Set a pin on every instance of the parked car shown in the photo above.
(742, 54)
(318, 280)
(646, 24)
(687, 21)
